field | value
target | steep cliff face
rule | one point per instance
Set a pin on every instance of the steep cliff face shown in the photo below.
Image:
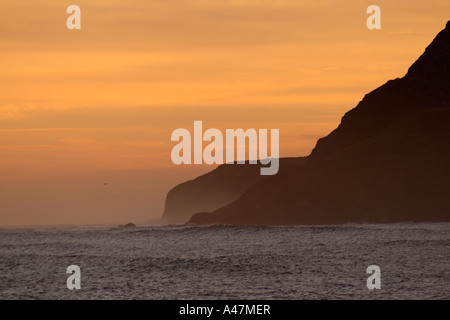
(215, 189)
(388, 160)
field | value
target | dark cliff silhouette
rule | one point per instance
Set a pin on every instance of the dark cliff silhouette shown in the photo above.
(388, 160)
(215, 189)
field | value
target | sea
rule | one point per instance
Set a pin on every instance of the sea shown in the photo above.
(225, 262)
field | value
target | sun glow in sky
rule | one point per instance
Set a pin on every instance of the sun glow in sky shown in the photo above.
(101, 102)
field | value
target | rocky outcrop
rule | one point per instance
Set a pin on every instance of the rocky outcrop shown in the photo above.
(128, 225)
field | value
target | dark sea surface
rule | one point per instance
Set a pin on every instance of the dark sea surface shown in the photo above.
(219, 262)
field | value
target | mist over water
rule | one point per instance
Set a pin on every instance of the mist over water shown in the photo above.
(222, 262)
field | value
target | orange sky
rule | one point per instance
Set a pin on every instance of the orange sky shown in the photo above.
(102, 101)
